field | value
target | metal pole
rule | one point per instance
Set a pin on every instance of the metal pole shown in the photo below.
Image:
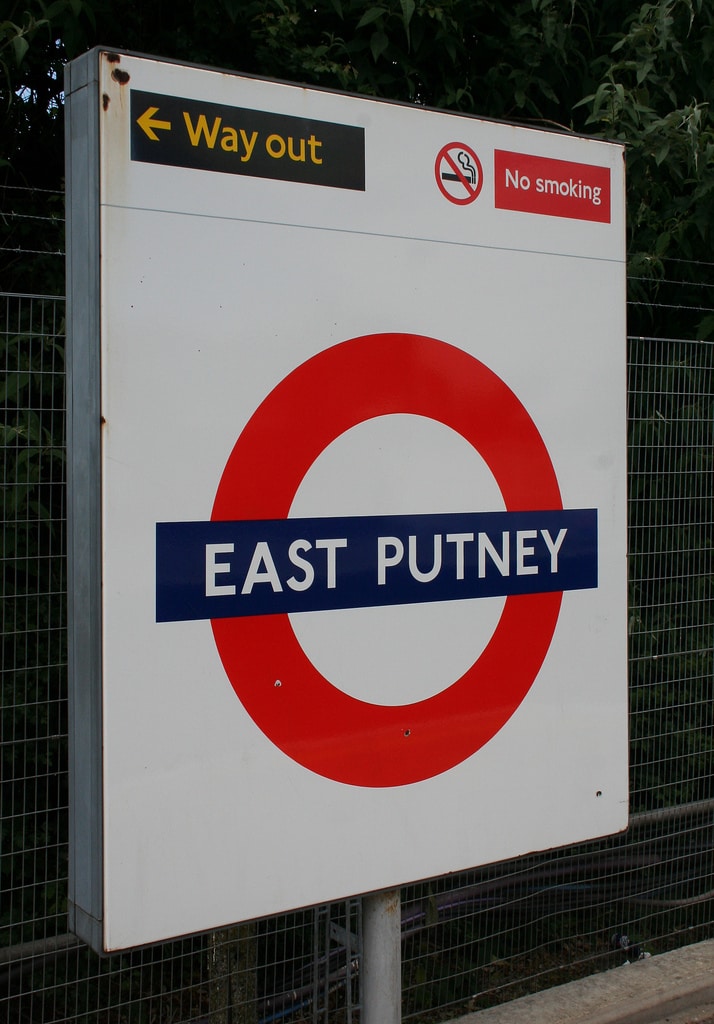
(382, 958)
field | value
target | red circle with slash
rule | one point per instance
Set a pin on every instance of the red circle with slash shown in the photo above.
(458, 173)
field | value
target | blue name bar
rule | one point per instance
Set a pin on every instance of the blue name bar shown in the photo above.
(212, 570)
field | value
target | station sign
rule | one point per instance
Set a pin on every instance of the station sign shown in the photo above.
(347, 489)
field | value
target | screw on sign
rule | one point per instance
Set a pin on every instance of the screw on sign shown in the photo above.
(299, 710)
(458, 173)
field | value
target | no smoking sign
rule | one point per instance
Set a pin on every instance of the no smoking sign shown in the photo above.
(458, 173)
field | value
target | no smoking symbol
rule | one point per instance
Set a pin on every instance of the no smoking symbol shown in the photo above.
(458, 173)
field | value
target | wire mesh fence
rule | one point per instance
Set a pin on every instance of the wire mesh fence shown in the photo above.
(469, 941)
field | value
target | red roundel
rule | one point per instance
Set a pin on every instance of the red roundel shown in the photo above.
(306, 716)
(458, 173)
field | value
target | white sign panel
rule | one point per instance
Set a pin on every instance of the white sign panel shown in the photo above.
(348, 495)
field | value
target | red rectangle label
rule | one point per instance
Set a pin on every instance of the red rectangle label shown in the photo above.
(555, 188)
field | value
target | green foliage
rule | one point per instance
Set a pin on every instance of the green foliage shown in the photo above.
(654, 93)
(34, 41)
(671, 509)
(33, 697)
(638, 75)
(15, 39)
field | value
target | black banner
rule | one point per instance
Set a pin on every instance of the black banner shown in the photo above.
(235, 140)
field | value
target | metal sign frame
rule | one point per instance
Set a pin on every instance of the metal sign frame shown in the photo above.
(347, 495)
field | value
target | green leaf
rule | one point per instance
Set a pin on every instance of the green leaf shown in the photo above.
(12, 388)
(20, 45)
(54, 9)
(705, 329)
(9, 434)
(378, 43)
(643, 71)
(584, 100)
(369, 16)
(662, 243)
(408, 8)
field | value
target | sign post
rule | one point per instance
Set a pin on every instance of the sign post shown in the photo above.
(381, 958)
(347, 495)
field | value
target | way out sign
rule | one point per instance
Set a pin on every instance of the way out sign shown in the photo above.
(348, 496)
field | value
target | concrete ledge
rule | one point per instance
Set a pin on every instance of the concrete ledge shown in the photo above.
(676, 987)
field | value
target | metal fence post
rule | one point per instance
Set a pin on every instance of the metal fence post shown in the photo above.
(382, 958)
